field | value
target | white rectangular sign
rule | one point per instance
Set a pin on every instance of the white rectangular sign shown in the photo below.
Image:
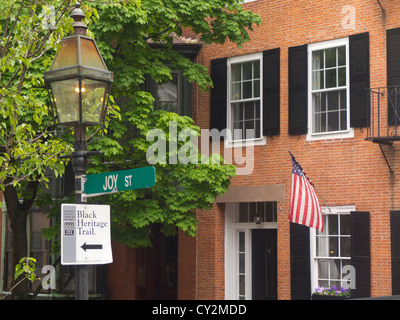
(85, 234)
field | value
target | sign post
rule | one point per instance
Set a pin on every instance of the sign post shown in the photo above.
(85, 229)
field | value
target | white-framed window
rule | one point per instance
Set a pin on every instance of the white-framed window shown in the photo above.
(329, 90)
(330, 250)
(245, 98)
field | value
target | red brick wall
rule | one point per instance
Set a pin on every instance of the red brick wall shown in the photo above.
(210, 276)
(345, 171)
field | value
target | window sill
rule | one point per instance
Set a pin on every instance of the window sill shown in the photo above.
(330, 135)
(245, 143)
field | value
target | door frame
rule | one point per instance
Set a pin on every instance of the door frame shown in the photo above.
(232, 229)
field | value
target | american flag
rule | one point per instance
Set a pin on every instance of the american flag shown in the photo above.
(304, 204)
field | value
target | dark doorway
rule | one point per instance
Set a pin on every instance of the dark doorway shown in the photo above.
(264, 264)
(166, 267)
(157, 267)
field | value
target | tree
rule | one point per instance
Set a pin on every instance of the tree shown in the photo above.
(28, 146)
(126, 33)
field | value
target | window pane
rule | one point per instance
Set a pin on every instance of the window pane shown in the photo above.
(260, 210)
(235, 94)
(241, 242)
(249, 129)
(345, 224)
(241, 285)
(237, 110)
(341, 51)
(330, 78)
(333, 103)
(318, 60)
(334, 269)
(238, 130)
(318, 80)
(317, 102)
(256, 84)
(323, 101)
(342, 99)
(342, 77)
(257, 107)
(241, 262)
(323, 122)
(269, 214)
(236, 72)
(256, 69)
(323, 269)
(333, 224)
(343, 120)
(330, 58)
(257, 129)
(322, 246)
(249, 111)
(252, 210)
(345, 247)
(247, 89)
(243, 216)
(333, 121)
(317, 123)
(247, 70)
(333, 247)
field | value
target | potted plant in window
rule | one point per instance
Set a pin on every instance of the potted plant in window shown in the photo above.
(330, 293)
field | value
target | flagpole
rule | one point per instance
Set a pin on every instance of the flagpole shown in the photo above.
(319, 194)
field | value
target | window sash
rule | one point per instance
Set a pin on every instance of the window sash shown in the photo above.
(244, 79)
(337, 120)
(336, 227)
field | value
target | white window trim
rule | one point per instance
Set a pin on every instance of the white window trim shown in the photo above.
(313, 251)
(336, 134)
(229, 143)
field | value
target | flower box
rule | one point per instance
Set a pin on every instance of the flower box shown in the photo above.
(332, 293)
(326, 297)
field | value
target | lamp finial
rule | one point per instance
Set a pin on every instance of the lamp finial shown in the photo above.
(78, 15)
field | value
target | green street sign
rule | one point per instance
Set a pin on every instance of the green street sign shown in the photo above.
(110, 182)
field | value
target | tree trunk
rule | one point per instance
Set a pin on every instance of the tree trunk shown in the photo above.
(17, 213)
(19, 245)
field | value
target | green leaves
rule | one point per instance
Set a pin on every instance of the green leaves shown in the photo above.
(26, 265)
(27, 144)
(136, 39)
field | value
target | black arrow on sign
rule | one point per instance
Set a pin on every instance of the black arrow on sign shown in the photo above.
(91, 246)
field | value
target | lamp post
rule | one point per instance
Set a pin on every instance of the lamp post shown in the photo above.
(79, 83)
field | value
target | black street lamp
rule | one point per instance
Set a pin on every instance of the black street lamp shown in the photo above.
(79, 84)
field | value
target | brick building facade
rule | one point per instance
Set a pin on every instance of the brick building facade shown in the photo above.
(301, 84)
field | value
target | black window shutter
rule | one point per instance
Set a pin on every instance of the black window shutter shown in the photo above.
(393, 66)
(395, 248)
(361, 253)
(359, 79)
(300, 278)
(218, 94)
(298, 90)
(271, 92)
